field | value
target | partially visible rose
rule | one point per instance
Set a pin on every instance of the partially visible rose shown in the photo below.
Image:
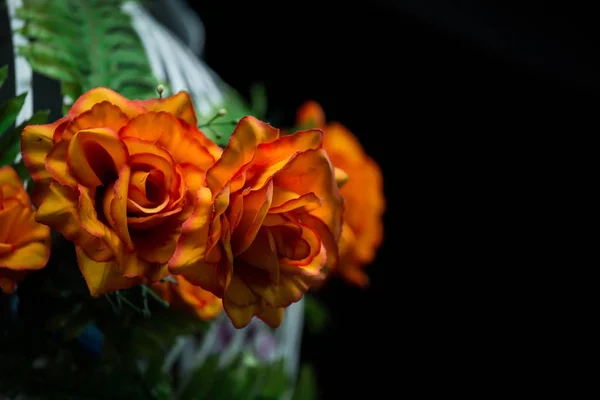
(361, 185)
(24, 243)
(265, 225)
(189, 298)
(118, 178)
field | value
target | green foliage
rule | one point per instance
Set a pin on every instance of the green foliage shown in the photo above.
(10, 138)
(243, 379)
(86, 44)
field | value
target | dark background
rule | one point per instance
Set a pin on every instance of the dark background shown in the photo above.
(426, 85)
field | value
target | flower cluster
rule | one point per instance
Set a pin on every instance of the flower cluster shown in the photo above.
(143, 194)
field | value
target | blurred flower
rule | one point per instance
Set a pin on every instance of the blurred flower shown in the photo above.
(361, 185)
(189, 298)
(24, 243)
(266, 223)
(118, 178)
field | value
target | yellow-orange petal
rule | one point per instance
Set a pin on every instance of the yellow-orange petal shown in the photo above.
(354, 274)
(179, 105)
(239, 302)
(202, 302)
(272, 316)
(18, 226)
(8, 176)
(157, 244)
(310, 114)
(287, 201)
(194, 178)
(341, 177)
(328, 239)
(59, 211)
(98, 95)
(36, 143)
(272, 157)
(56, 164)
(290, 289)
(11, 186)
(95, 156)
(31, 256)
(168, 132)
(211, 146)
(103, 277)
(312, 172)
(101, 115)
(247, 135)
(255, 208)
(262, 255)
(116, 212)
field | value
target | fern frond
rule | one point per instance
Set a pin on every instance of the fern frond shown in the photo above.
(85, 44)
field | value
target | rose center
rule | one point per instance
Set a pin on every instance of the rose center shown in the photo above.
(147, 191)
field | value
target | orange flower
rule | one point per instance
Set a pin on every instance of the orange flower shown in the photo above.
(189, 298)
(265, 225)
(24, 244)
(361, 184)
(118, 178)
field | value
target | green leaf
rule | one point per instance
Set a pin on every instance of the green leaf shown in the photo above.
(306, 386)
(85, 44)
(3, 74)
(11, 146)
(8, 114)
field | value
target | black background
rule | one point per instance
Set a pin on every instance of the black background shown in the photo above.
(474, 83)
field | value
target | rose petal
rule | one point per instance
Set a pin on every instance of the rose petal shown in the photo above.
(101, 115)
(150, 221)
(95, 156)
(11, 186)
(248, 134)
(179, 105)
(168, 132)
(102, 277)
(31, 256)
(56, 164)
(59, 211)
(18, 226)
(194, 178)
(290, 289)
(98, 95)
(211, 146)
(117, 210)
(240, 303)
(88, 217)
(312, 172)
(310, 114)
(36, 143)
(287, 201)
(256, 207)
(157, 244)
(272, 316)
(341, 177)
(272, 157)
(262, 254)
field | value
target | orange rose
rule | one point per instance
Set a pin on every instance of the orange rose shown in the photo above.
(265, 224)
(24, 244)
(118, 178)
(189, 298)
(362, 188)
